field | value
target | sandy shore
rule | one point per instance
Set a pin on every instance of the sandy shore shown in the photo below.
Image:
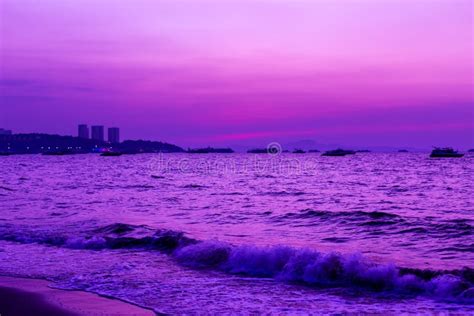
(22, 297)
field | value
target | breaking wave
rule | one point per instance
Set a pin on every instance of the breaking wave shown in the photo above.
(282, 263)
(115, 236)
(313, 268)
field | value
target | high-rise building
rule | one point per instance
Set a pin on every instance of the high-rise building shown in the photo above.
(97, 133)
(83, 131)
(114, 135)
(5, 131)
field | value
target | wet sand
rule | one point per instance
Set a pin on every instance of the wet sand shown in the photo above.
(21, 297)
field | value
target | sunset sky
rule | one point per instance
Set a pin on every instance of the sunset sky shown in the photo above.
(224, 72)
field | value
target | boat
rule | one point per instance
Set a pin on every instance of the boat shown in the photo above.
(57, 153)
(299, 151)
(471, 150)
(210, 150)
(53, 153)
(111, 154)
(446, 152)
(338, 153)
(402, 151)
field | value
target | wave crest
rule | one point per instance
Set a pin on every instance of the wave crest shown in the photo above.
(282, 263)
(313, 268)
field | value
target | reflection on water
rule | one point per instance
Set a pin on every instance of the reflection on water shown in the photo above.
(241, 216)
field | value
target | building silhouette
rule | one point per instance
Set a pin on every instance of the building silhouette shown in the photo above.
(114, 135)
(97, 132)
(83, 131)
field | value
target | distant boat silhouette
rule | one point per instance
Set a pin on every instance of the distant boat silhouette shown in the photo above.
(402, 151)
(58, 153)
(111, 154)
(210, 150)
(299, 151)
(471, 150)
(338, 152)
(445, 153)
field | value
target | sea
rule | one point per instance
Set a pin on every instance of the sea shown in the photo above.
(246, 234)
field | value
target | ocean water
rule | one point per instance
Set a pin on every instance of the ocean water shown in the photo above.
(246, 234)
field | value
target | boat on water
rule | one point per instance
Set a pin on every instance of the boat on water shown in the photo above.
(338, 153)
(299, 151)
(210, 150)
(402, 151)
(57, 153)
(53, 153)
(471, 150)
(111, 154)
(445, 153)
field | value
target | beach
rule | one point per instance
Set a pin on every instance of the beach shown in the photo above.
(21, 296)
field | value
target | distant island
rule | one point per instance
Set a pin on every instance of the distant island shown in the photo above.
(147, 146)
(210, 150)
(57, 144)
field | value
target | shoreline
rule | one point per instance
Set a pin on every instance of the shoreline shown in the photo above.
(24, 296)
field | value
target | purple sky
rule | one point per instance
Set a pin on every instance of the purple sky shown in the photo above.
(223, 72)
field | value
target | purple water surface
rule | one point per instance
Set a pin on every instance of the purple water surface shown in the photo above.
(245, 233)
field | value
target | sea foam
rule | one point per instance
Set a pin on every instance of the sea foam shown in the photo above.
(281, 263)
(313, 268)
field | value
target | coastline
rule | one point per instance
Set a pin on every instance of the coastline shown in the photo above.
(22, 296)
